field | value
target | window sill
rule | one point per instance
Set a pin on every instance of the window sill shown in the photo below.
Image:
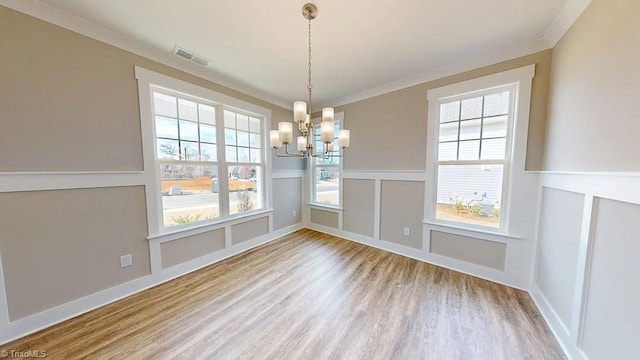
(325, 206)
(174, 234)
(485, 234)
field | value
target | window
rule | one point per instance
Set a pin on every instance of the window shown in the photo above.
(204, 157)
(325, 172)
(473, 143)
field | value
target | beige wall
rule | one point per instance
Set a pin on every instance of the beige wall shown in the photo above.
(71, 103)
(389, 132)
(178, 251)
(359, 206)
(59, 246)
(287, 199)
(593, 122)
(401, 205)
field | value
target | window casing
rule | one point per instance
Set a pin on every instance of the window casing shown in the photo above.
(479, 140)
(204, 154)
(326, 184)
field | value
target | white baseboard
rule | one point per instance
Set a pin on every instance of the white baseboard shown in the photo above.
(22, 327)
(558, 329)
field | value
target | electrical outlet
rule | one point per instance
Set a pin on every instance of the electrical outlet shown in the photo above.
(407, 231)
(293, 213)
(125, 260)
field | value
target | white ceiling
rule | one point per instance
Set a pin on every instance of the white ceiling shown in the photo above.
(259, 46)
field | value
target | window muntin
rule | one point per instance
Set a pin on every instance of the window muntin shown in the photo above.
(473, 141)
(325, 186)
(243, 136)
(189, 166)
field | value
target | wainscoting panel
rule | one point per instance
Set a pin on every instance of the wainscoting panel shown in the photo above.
(592, 247)
(559, 241)
(611, 316)
(481, 252)
(192, 247)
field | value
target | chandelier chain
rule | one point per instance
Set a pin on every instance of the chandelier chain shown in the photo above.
(309, 86)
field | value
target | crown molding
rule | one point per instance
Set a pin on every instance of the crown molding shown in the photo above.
(570, 12)
(449, 70)
(65, 20)
(567, 16)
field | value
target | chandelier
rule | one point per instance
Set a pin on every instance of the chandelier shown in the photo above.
(283, 137)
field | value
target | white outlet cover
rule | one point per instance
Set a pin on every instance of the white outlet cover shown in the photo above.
(125, 260)
(407, 231)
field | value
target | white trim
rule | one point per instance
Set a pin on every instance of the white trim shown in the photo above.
(400, 175)
(62, 180)
(10, 331)
(555, 324)
(287, 174)
(568, 15)
(60, 18)
(583, 269)
(148, 79)
(330, 208)
(516, 183)
(470, 232)
(4, 307)
(207, 227)
(448, 70)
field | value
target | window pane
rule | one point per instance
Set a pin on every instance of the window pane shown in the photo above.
(256, 156)
(188, 131)
(165, 105)
(230, 153)
(242, 138)
(245, 189)
(166, 128)
(208, 152)
(494, 127)
(469, 150)
(189, 193)
(254, 140)
(229, 119)
(187, 110)
(207, 114)
(243, 154)
(254, 125)
(448, 151)
(470, 129)
(207, 133)
(450, 111)
(496, 104)
(168, 149)
(449, 131)
(242, 122)
(471, 108)
(470, 194)
(190, 151)
(229, 136)
(327, 185)
(493, 149)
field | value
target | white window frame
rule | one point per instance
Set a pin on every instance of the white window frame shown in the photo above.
(515, 156)
(338, 119)
(147, 81)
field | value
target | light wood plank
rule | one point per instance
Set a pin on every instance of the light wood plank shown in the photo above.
(309, 296)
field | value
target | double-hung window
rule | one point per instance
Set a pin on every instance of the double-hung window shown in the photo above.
(203, 154)
(325, 171)
(473, 144)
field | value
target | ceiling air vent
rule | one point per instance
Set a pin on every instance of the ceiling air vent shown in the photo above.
(186, 54)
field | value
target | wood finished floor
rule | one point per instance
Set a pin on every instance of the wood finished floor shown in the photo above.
(309, 296)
